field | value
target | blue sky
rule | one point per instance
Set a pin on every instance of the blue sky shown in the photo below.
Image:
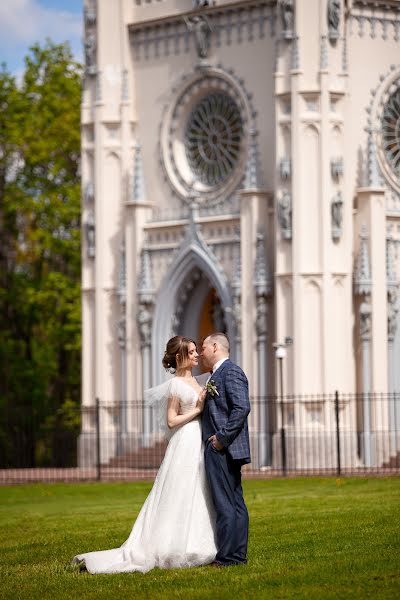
(24, 22)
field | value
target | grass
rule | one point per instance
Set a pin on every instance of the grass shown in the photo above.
(310, 538)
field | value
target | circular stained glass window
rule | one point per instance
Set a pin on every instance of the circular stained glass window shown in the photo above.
(213, 138)
(391, 132)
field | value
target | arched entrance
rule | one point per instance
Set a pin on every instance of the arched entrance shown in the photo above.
(194, 299)
(199, 310)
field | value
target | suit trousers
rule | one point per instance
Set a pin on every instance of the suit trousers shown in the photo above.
(225, 480)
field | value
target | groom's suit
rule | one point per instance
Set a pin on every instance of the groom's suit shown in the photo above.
(225, 415)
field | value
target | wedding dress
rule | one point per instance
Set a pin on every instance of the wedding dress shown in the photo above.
(176, 525)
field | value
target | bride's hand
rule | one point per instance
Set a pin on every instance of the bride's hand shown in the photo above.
(201, 400)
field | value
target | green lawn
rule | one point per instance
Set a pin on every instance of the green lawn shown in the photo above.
(310, 538)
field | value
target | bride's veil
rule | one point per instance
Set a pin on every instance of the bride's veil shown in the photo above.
(157, 399)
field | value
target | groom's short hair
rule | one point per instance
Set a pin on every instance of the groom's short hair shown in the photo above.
(221, 339)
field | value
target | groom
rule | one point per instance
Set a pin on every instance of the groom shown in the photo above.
(226, 438)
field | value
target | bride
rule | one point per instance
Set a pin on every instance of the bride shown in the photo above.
(176, 525)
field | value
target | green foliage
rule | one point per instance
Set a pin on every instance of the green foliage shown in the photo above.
(319, 539)
(40, 250)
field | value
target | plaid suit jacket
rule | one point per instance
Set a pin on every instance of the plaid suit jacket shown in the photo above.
(225, 414)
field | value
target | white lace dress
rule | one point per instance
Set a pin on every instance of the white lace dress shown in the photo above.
(175, 527)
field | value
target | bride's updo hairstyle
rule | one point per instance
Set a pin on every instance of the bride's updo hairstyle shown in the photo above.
(176, 354)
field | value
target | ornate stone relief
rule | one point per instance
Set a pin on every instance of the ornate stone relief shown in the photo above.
(392, 286)
(323, 59)
(90, 42)
(363, 286)
(224, 26)
(253, 179)
(376, 19)
(138, 187)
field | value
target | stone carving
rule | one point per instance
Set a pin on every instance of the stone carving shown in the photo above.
(337, 216)
(285, 168)
(392, 314)
(337, 168)
(285, 215)
(365, 319)
(287, 17)
(362, 275)
(90, 53)
(121, 333)
(261, 317)
(144, 320)
(203, 3)
(323, 60)
(253, 174)
(90, 229)
(90, 16)
(333, 15)
(88, 193)
(200, 27)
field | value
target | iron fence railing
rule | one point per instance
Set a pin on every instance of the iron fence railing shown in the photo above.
(334, 434)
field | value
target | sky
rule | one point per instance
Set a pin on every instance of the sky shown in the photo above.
(24, 22)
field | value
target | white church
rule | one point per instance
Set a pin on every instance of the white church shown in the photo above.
(241, 173)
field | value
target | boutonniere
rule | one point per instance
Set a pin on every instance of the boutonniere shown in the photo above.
(211, 388)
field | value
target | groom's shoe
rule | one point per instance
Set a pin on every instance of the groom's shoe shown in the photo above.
(216, 565)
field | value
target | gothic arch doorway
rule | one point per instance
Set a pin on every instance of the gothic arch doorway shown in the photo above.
(193, 300)
(199, 310)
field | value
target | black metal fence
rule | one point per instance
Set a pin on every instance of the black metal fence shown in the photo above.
(334, 434)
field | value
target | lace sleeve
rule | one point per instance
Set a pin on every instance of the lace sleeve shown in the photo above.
(157, 399)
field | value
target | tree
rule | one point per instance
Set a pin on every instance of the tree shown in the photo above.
(39, 255)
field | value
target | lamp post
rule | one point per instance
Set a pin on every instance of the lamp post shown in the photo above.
(280, 354)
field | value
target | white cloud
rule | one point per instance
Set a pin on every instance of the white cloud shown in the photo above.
(24, 22)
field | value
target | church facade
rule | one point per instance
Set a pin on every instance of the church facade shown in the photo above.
(241, 173)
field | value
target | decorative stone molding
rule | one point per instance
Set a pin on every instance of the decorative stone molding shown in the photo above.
(337, 216)
(285, 215)
(323, 60)
(253, 180)
(362, 273)
(227, 25)
(295, 57)
(376, 19)
(138, 187)
(90, 231)
(333, 18)
(203, 3)
(145, 283)
(208, 88)
(392, 286)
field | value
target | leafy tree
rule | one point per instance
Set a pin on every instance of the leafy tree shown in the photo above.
(39, 256)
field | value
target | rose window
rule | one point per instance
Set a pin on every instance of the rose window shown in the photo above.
(213, 138)
(390, 122)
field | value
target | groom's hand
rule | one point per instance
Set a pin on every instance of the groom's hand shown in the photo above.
(215, 443)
